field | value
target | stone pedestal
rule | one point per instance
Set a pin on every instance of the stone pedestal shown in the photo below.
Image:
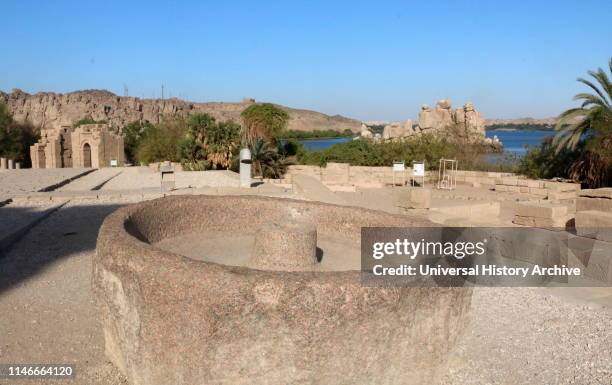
(11, 164)
(18, 165)
(289, 246)
(245, 168)
(3, 164)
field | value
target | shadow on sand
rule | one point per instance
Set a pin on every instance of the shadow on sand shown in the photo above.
(66, 233)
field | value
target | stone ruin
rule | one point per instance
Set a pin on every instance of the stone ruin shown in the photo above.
(88, 145)
(241, 290)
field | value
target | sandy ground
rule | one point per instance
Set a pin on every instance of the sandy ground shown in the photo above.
(16, 182)
(45, 296)
(516, 336)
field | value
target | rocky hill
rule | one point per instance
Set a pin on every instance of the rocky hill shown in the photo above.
(52, 110)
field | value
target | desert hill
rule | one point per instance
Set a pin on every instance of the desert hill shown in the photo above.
(52, 110)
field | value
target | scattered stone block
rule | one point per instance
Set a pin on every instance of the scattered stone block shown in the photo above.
(540, 210)
(595, 200)
(592, 257)
(594, 224)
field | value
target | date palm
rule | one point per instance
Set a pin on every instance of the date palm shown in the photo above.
(593, 117)
(268, 162)
(262, 121)
(588, 131)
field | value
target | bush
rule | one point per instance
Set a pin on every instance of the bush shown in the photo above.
(423, 147)
(209, 144)
(87, 120)
(15, 138)
(265, 121)
(161, 142)
(544, 162)
(133, 135)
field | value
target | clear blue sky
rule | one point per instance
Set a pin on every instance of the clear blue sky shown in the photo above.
(368, 60)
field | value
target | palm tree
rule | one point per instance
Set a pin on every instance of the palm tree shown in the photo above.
(588, 130)
(267, 161)
(262, 121)
(594, 114)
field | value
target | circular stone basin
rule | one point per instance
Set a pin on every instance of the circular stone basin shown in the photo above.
(251, 290)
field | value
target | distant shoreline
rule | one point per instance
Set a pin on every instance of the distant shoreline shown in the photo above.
(520, 127)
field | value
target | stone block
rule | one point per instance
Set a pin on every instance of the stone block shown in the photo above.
(509, 181)
(592, 257)
(561, 186)
(542, 192)
(593, 204)
(534, 183)
(594, 224)
(605, 192)
(561, 195)
(540, 210)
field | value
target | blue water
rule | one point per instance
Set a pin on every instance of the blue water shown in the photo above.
(515, 142)
(322, 144)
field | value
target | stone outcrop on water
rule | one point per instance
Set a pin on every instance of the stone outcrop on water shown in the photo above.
(53, 110)
(443, 116)
(463, 122)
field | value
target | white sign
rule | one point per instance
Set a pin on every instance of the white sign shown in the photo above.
(418, 169)
(398, 166)
(114, 163)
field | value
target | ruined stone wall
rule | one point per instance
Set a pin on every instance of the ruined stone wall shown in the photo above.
(365, 176)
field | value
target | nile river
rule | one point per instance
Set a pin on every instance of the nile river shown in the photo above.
(515, 142)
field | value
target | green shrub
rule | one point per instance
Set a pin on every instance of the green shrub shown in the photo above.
(423, 147)
(209, 144)
(545, 162)
(265, 121)
(87, 120)
(15, 138)
(133, 135)
(161, 142)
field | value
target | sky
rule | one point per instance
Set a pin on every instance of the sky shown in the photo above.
(370, 60)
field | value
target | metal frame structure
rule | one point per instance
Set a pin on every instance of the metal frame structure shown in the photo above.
(447, 174)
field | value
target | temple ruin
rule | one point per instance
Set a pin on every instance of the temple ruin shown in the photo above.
(88, 145)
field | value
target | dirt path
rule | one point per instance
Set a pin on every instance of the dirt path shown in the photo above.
(45, 296)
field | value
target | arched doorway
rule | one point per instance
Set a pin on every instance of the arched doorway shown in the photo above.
(86, 155)
(42, 159)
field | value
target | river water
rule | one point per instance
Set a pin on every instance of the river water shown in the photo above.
(515, 142)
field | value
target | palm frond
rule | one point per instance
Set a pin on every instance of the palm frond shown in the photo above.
(593, 87)
(603, 80)
(590, 100)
